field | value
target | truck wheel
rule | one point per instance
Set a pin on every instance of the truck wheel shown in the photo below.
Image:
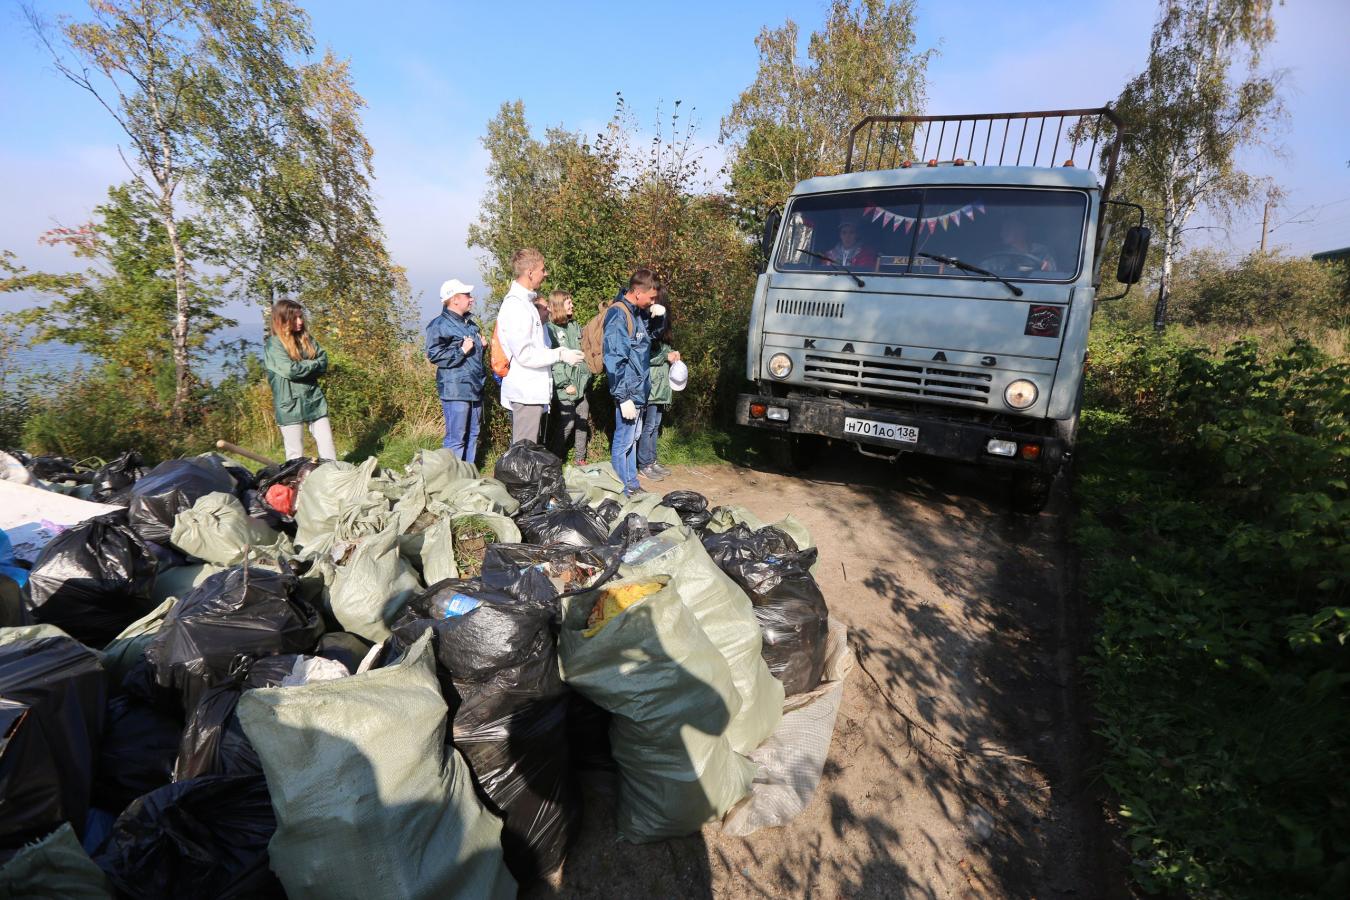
(794, 452)
(1030, 492)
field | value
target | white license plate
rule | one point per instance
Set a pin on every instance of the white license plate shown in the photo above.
(885, 431)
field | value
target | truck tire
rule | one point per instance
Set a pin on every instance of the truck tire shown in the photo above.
(1030, 491)
(794, 452)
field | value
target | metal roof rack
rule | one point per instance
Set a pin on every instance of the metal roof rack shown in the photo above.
(999, 139)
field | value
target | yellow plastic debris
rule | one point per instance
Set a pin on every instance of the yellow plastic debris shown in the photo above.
(614, 600)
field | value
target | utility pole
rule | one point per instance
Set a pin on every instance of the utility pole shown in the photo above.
(1265, 221)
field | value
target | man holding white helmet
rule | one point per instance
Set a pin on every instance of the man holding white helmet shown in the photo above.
(455, 346)
(664, 380)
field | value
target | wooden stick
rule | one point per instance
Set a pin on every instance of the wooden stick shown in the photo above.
(240, 451)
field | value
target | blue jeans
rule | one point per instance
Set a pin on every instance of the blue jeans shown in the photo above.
(651, 429)
(461, 427)
(623, 453)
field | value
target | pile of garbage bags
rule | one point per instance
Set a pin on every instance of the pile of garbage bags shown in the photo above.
(339, 680)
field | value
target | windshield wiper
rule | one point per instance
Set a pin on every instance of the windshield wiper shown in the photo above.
(953, 261)
(844, 269)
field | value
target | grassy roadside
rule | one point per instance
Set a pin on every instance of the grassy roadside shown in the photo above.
(676, 447)
(1213, 529)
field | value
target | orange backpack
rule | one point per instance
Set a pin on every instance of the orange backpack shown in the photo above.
(501, 363)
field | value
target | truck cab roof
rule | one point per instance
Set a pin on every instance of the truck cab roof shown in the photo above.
(952, 175)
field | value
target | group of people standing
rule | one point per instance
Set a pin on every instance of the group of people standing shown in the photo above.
(537, 354)
(537, 351)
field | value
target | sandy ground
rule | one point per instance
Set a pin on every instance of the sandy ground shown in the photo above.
(957, 766)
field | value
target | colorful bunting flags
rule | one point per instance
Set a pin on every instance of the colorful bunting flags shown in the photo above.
(894, 220)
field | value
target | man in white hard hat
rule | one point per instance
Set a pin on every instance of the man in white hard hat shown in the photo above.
(455, 345)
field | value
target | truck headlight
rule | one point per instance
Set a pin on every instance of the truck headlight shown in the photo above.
(1020, 394)
(780, 365)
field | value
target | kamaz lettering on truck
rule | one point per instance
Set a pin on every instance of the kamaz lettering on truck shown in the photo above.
(940, 306)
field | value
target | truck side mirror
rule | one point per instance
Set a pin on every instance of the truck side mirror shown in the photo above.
(1133, 255)
(771, 223)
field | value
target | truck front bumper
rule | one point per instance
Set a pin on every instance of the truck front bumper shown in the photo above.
(945, 438)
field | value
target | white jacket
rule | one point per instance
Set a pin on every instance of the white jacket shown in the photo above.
(521, 334)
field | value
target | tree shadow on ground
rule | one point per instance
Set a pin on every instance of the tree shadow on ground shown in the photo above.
(966, 694)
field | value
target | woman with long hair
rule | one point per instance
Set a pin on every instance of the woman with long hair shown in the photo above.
(569, 383)
(294, 363)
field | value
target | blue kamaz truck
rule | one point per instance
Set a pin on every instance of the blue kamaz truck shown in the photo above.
(935, 298)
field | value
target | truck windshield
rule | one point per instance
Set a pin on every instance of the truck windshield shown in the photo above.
(1031, 235)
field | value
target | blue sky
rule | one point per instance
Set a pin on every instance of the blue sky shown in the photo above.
(434, 73)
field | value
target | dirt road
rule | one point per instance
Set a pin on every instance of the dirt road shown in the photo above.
(956, 768)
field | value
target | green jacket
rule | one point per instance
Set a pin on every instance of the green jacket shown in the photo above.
(579, 376)
(660, 394)
(296, 395)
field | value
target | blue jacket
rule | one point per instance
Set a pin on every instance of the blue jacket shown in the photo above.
(627, 358)
(459, 376)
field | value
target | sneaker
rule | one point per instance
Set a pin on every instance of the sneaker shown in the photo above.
(635, 492)
(659, 469)
(650, 473)
(580, 461)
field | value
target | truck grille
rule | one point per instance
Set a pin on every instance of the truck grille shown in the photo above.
(900, 379)
(823, 309)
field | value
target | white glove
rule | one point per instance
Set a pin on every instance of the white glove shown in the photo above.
(569, 356)
(657, 310)
(628, 410)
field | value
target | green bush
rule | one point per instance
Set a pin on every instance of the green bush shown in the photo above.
(1215, 511)
(1260, 288)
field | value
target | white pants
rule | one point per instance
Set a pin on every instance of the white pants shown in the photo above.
(293, 436)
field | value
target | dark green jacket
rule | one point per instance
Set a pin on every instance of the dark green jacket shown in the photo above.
(296, 395)
(660, 394)
(579, 376)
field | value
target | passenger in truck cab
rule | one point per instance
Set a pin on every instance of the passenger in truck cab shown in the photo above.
(1018, 253)
(850, 252)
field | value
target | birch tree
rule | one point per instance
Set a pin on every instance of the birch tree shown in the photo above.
(157, 67)
(793, 121)
(1200, 101)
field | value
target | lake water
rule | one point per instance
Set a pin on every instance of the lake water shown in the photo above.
(55, 357)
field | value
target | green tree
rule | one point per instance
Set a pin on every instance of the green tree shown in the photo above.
(1198, 102)
(123, 307)
(174, 75)
(298, 214)
(598, 209)
(793, 121)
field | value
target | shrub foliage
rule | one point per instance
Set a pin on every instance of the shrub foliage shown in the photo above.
(1214, 529)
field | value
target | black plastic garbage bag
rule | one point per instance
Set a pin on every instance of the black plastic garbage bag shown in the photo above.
(692, 507)
(634, 528)
(93, 580)
(213, 743)
(52, 696)
(201, 838)
(788, 603)
(136, 753)
(57, 469)
(112, 481)
(575, 526)
(608, 511)
(171, 487)
(566, 568)
(532, 476)
(510, 712)
(245, 611)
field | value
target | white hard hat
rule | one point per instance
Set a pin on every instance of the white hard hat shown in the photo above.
(679, 375)
(454, 286)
